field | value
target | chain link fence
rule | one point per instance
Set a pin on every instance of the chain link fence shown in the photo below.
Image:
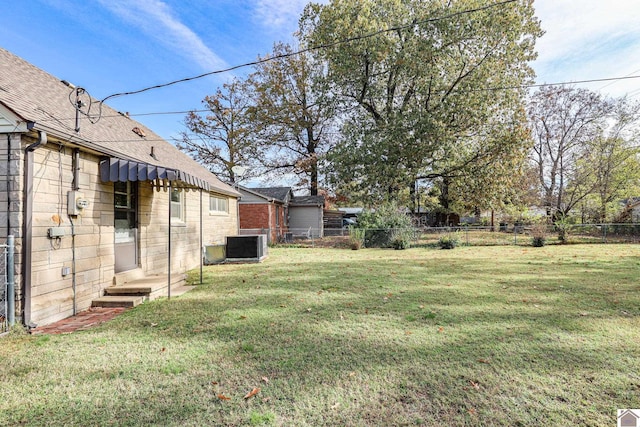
(502, 235)
(523, 235)
(7, 285)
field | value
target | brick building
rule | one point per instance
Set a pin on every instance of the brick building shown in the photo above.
(265, 211)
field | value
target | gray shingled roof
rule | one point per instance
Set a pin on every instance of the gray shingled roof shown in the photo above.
(278, 193)
(307, 201)
(39, 97)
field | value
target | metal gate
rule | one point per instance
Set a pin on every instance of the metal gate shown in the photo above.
(7, 282)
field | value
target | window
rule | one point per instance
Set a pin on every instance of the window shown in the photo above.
(177, 205)
(218, 204)
(125, 205)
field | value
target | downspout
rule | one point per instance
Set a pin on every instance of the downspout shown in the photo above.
(28, 223)
(8, 186)
(201, 239)
(75, 187)
(169, 248)
(238, 215)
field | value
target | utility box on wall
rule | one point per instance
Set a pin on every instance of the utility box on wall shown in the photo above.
(76, 203)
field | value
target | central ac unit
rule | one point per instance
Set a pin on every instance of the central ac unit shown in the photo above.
(247, 248)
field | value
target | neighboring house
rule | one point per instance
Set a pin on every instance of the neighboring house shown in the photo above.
(306, 216)
(265, 211)
(92, 199)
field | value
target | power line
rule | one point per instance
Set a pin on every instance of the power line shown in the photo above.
(312, 48)
(609, 84)
(527, 86)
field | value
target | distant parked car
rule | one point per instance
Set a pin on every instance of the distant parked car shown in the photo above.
(346, 222)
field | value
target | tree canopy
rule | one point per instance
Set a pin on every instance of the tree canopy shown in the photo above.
(222, 138)
(583, 147)
(293, 114)
(427, 92)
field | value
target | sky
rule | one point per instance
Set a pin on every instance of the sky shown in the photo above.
(113, 46)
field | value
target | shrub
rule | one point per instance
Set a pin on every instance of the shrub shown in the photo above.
(356, 237)
(538, 241)
(562, 226)
(538, 234)
(448, 242)
(401, 238)
(383, 225)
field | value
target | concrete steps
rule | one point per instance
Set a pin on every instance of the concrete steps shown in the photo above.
(117, 301)
(133, 288)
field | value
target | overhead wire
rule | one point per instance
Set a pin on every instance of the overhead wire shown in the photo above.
(526, 86)
(95, 118)
(311, 48)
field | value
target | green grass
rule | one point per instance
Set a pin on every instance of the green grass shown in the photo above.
(471, 336)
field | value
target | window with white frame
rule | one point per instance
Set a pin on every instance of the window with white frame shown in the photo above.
(177, 205)
(218, 204)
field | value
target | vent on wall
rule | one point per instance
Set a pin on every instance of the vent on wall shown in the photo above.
(247, 248)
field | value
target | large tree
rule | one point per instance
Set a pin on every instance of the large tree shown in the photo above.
(293, 113)
(428, 85)
(611, 162)
(565, 123)
(222, 137)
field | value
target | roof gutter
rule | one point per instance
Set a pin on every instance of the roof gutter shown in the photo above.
(28, 224)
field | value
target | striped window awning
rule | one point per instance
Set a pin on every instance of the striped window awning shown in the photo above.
(114, 169)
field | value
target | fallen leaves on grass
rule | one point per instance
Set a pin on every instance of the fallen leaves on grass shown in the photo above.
(265, 380)
(487, 361)
(252, 393)
(440, 329)
(223, 397)
(475, 385)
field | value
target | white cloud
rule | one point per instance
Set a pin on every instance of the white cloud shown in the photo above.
(589, 39)
(279, 15)
(156, 19)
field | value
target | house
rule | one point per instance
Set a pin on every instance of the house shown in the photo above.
(265, 211)
(306, 216)
(95, 198)
(277, 212)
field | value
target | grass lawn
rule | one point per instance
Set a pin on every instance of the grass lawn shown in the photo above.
(512, 336)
